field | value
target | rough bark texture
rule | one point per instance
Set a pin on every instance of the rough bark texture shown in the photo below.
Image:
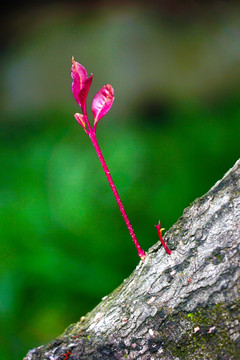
(182, 306)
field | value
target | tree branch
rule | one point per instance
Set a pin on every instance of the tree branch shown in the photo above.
(183, 306)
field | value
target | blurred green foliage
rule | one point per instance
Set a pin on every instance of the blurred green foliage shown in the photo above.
(63, 242)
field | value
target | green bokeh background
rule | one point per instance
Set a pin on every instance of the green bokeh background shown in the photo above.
(172, 132)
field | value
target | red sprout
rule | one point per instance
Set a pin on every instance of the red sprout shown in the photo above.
(67, 354)
(159, 231)
(101, 104)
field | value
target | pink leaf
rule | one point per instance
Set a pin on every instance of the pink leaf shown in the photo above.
(102, 102)
(82, 96)
(79, 75)
(81, 84)
(80, 119)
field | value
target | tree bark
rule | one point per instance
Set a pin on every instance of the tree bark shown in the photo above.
(182, 306)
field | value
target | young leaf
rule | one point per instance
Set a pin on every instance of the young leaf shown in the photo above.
(80, 119)
(82, 96)
(102, 102)
(81, 84)
(79, 75)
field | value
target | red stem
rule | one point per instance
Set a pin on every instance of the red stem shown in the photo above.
(159, 231)
(93, 138)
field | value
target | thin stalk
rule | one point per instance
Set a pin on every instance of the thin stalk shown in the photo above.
(93, 138)
(159, 231)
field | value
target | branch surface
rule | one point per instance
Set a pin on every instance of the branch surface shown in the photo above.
(183, 306)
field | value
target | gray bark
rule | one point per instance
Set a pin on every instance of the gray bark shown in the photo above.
(179, 306)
